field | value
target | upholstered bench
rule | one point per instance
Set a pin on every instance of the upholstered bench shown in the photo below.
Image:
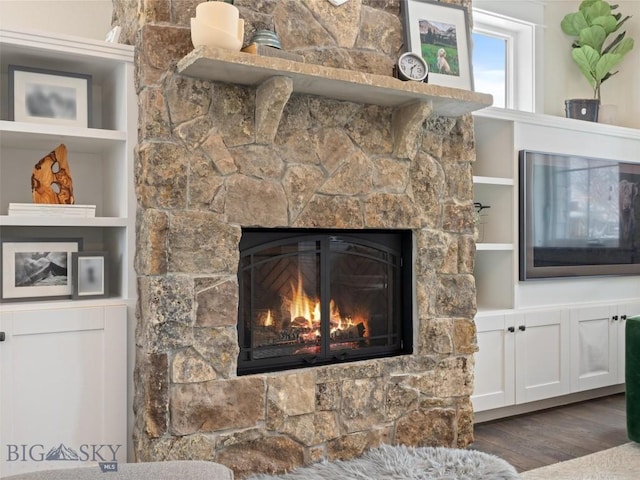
(632, 377)
(178, 470)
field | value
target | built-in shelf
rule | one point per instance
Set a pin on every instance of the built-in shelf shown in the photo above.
(508, 116)
(69, 333)
(247, 69)
(493, 180)
(37, 135)
(494, 247)
(48, 306)
(58, 221)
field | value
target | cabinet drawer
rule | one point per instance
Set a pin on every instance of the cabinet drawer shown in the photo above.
(58, 321)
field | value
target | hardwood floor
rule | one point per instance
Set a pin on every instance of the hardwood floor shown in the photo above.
(549, 436)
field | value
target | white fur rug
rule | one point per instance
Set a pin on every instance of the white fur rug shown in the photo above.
(407, 463)
(619, 463)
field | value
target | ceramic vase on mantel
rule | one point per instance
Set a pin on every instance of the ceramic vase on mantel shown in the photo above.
(582, 109)
(217, 24)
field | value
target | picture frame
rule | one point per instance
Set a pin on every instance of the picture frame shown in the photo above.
(440, 33)
(38, 95)
(38, 269)
(91, 275)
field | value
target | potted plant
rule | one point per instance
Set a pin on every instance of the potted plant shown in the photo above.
(593, 51)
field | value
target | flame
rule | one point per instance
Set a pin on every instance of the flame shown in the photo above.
(268, 321)
(301, 308)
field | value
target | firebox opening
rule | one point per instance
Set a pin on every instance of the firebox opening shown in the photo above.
(316, 297)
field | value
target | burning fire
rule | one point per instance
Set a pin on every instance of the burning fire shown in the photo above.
(300, 306)
(304, 312)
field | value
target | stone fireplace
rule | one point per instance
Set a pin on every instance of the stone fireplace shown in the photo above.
(206, 173)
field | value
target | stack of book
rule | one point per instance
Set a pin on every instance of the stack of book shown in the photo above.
(40, 209)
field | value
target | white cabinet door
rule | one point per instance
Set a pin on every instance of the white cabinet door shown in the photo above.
(542, 355)
(494, 362)
(62, 387)
(594, 347)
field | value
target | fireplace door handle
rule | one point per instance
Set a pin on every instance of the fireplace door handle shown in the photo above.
(341, 356)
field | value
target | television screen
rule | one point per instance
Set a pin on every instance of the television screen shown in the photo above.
(578, 216)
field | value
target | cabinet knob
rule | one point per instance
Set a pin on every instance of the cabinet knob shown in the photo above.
(522, 328)
(2, 337)
(614, 318)
(511, 329)
(623, 317)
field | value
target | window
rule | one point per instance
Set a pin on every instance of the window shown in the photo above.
(504, 59)
(489, 66)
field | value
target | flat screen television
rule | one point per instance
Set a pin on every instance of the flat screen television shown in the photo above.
(578, 216)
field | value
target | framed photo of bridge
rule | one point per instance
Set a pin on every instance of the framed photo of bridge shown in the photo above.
(439, 32)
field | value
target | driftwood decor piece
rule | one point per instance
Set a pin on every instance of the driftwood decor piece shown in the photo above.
(51, 179)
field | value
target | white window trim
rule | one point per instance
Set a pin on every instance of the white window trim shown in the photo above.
(520, 39)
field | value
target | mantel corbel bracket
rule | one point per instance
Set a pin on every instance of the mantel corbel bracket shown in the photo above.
(271, 97)
(406, 125)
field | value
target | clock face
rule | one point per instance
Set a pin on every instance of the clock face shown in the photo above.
(412, 66)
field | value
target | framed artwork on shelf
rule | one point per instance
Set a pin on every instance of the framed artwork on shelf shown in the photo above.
(439, 32)
(91, 278)
(37, 269)
(48, 96)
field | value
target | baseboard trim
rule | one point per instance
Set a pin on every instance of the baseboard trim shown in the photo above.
(488, 415)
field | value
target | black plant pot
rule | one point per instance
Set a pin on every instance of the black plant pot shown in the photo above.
(582, 109)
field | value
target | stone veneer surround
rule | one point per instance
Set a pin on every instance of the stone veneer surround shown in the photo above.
(203, 172)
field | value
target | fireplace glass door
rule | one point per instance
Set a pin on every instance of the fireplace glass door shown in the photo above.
(320, 297)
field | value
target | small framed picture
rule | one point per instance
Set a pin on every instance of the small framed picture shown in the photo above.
(37, 269)
(49, 96)
(440, 33)
(91, 277)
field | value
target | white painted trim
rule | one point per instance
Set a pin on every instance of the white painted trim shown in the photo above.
(66, 43)
(488, 415)
(558, 122)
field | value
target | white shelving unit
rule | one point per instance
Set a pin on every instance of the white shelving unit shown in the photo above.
(500, 134)
(543, 338)
(100, 158)
(91, 333)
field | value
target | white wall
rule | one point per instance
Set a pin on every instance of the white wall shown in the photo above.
(83, 18)
(564, 80)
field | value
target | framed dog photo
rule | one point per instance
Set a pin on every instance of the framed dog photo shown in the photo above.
(440, 33)
(37, 269)
(91, 277)
(49, 96)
